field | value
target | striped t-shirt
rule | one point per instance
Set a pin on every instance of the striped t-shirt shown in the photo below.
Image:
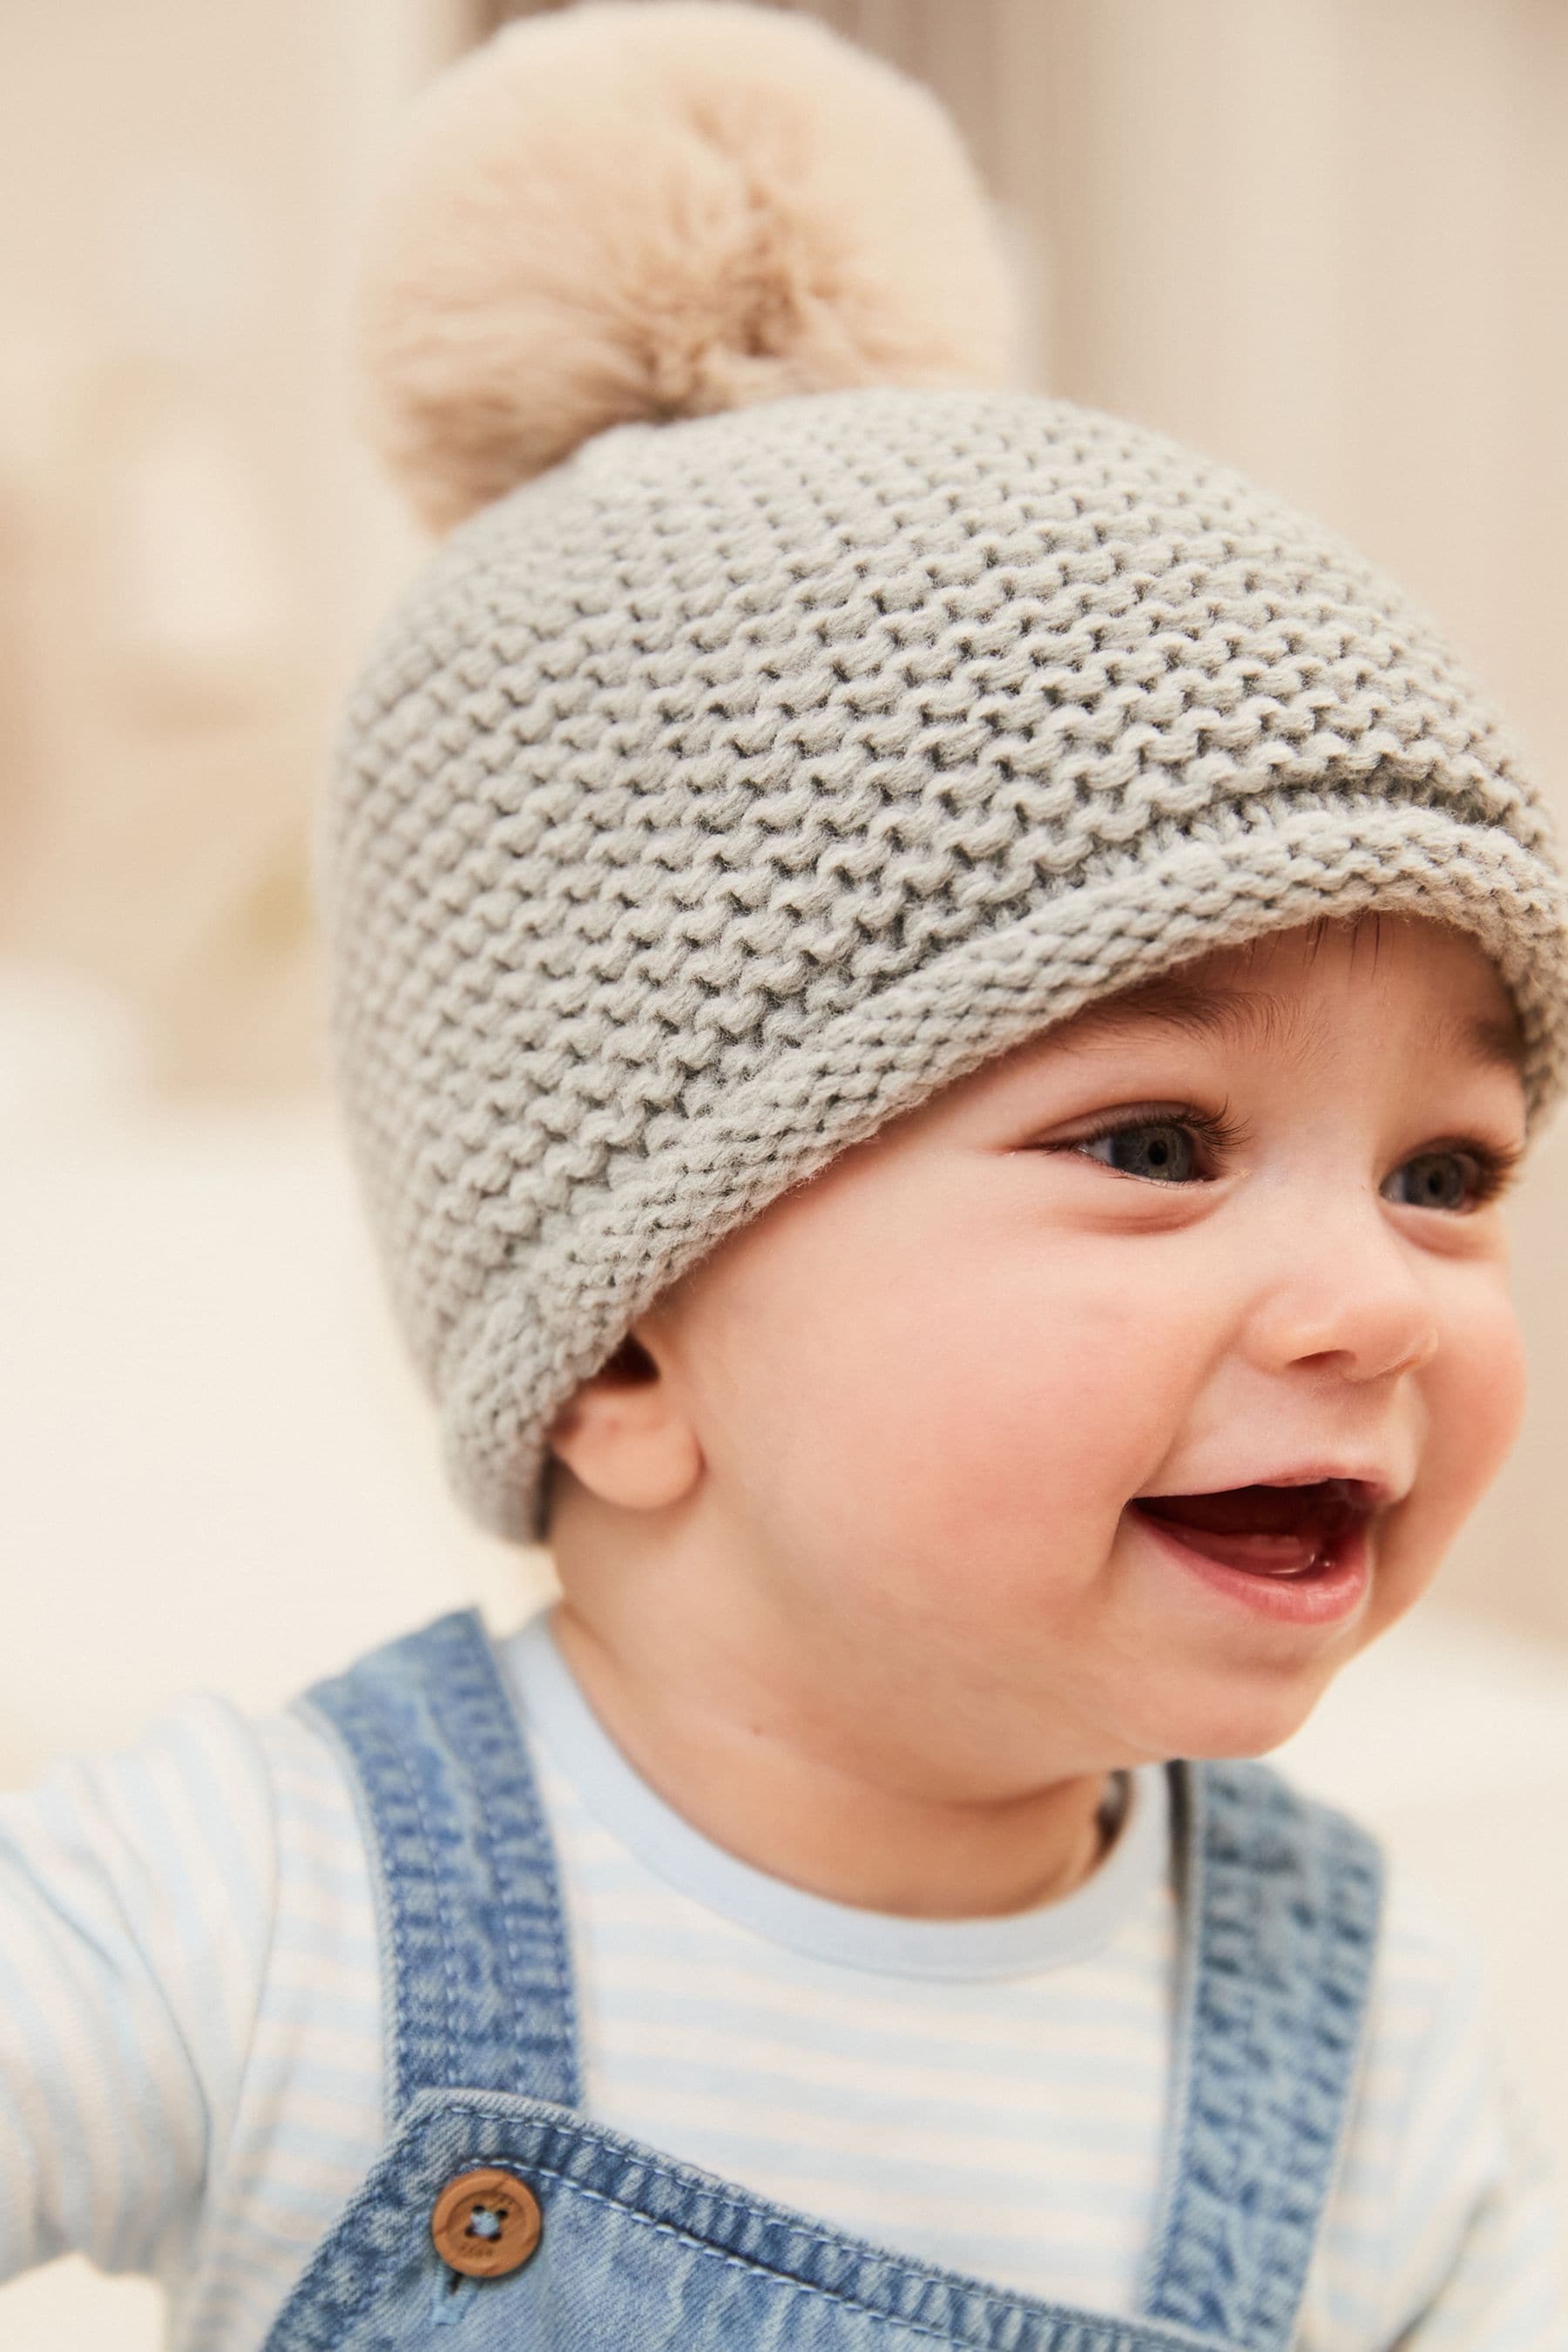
(191, 2076)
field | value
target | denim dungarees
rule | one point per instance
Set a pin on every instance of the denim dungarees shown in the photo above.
(639, 2253)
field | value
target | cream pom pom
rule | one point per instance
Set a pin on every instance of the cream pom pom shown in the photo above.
(648, 209)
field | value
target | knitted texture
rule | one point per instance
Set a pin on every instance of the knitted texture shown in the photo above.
(741, 780)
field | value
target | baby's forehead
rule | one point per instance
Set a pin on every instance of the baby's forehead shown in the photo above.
(1284, 1004)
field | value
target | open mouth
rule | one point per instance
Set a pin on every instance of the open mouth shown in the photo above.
(1270, 1531)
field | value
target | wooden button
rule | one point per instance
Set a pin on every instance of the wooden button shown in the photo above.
(485, 2223)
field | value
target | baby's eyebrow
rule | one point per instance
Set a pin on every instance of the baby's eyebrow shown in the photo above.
(1496, 1045)
(1257, 1016)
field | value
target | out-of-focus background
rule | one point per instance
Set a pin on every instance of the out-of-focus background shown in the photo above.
(1325, 241)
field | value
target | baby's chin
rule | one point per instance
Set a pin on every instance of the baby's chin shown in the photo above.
(1198, 1706)
(1192, 1666)
(1236, 1719)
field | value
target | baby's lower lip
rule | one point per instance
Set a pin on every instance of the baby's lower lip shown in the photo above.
(1287, 1579)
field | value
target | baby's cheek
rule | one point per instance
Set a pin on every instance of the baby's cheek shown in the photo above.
(1002, 1411)
(1476, 1388)
(1473, 1394)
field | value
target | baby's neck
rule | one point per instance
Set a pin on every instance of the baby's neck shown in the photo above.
(777, 1789)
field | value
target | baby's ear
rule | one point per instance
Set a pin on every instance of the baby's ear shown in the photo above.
(625, 1434)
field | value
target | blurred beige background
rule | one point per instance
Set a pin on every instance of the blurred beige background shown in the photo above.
(1326, 241)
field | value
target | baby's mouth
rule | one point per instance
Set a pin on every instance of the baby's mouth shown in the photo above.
(1268, 1530)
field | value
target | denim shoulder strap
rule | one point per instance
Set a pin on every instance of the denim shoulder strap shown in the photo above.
(1281, 1897)
(477, 1969)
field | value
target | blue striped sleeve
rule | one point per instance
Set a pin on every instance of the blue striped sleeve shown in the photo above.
(135, 1911)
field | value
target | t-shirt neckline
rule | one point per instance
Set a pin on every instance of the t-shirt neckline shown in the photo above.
(556, 1715)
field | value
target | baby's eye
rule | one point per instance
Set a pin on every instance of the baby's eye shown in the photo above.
(1449, 1179)
(1162, 1149)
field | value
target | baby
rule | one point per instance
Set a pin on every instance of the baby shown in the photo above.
(936, 999)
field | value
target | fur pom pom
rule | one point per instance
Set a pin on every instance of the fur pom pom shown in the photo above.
(649, 209)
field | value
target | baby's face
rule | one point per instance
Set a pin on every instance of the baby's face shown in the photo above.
(928, 1387)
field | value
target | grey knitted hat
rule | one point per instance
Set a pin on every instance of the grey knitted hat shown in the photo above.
(800, 716)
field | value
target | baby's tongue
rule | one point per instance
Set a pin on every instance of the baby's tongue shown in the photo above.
(1271, 1531)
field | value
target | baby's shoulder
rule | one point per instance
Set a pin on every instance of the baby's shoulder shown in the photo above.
(323, 1884)
(204, 1798)
(1431, 2016)
(1427, 1953)
(308, 1778)
(151, 1820)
